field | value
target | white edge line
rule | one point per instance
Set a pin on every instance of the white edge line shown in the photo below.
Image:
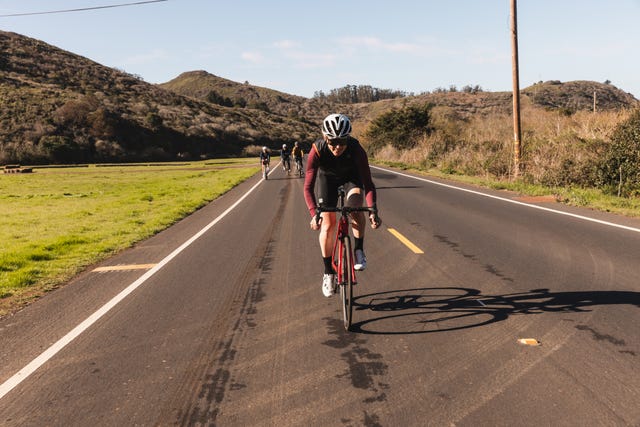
(542, 208)
(36, 363)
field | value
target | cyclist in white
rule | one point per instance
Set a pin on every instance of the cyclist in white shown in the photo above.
(265, 159)
(338, 159)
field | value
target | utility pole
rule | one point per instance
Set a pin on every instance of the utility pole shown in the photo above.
(517, 144)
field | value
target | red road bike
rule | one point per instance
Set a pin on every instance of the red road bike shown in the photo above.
(342, 257)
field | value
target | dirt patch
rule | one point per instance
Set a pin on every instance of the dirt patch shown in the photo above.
(537, 199)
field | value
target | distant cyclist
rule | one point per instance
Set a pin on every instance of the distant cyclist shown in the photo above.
(297, 157)
(285, 155)
(338, 159)
(265, 159)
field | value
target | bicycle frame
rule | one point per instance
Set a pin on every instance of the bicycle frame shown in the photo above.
(338, 246)
(343, 252)
(343, 233)
(299, 165)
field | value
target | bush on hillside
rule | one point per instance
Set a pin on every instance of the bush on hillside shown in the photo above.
(619, 169)
(401, 128)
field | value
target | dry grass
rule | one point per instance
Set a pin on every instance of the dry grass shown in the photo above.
(559, 153)
(482, 144)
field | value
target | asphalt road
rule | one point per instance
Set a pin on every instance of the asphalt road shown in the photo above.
(220, 320)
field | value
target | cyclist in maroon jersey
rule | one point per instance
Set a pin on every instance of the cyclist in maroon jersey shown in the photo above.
(338, 159)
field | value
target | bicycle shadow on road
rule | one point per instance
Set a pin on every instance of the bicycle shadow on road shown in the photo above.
(428, 310)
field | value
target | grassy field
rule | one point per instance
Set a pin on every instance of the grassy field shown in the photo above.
(56, 221)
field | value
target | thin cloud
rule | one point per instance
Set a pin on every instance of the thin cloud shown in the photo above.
(487, 56)
(293, 52)
(253, 57)
(598, 50)
(286, 44)
(377, 44)
(146, 58)
(421, 48)
(311, 60)
(212, 51)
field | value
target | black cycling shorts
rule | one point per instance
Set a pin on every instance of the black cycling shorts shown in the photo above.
(327, 189)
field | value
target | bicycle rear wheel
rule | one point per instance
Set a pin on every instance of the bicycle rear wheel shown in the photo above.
(346, 286)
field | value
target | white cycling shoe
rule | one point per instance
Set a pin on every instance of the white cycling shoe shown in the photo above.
(328, 284)
(361, 260)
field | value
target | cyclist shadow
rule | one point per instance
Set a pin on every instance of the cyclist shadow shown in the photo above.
(428, 310)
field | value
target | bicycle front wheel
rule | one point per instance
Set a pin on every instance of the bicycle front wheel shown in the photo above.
(346, 286)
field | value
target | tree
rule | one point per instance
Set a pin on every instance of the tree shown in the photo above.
(352, 94)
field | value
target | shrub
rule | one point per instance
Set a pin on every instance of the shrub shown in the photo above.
(402, 128)
(619, 167)
(59, 148)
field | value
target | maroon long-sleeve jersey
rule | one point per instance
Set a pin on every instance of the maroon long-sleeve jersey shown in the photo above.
(352, 165)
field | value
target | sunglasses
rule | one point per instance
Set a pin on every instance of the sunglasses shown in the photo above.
(337, 142)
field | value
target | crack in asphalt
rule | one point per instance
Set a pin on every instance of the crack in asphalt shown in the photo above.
(489, 268)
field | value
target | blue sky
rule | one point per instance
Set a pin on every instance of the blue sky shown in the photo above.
(300, 47)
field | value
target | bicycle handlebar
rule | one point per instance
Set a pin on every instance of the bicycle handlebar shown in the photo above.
(344, 210)
(347, 209)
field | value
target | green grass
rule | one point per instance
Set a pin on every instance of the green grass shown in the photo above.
(55, 222)
(592, 198)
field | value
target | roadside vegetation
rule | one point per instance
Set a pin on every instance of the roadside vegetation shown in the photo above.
(583, 158)
(55, 222)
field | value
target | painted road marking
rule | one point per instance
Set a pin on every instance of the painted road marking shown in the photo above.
(36, 363)
(542, 208)
(407, 243)
(124, 267)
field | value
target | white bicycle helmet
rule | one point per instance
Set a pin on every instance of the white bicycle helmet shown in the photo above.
(336, 126)
(264, 148)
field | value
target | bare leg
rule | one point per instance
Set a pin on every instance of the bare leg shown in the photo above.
(327, 233)
(354, 199)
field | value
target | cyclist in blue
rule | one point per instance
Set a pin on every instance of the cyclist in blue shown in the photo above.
(337, 160)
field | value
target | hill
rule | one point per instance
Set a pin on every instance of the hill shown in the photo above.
(58, 107)
(208, 87)
(567, 97)
(579, 95)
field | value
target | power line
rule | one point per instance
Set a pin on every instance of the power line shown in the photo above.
(83, 9)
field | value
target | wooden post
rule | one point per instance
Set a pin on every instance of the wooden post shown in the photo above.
(517, 144)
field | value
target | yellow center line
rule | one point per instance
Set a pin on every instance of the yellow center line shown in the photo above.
(406, 241)
(125, 267)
